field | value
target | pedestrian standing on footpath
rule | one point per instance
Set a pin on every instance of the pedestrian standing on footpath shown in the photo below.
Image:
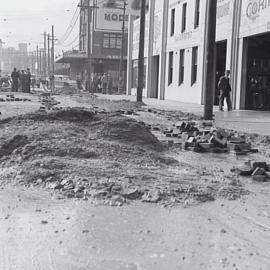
(110, 84)
(104, 82)
(225, 89)
(28, 81)
(15, 80)
(23, 80)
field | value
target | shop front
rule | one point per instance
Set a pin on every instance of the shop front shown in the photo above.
(255, 33)
(258, 73)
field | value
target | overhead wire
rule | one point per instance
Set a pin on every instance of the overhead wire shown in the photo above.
(71, 26)
(71, 43)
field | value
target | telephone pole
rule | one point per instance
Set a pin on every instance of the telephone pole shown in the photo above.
(53, 39)
(141, 54)
(37, 60)
(90, 37)
(209, 59)
(51, 59)
(45, 55)
(49, 55)
(89, 48)
(40, 62)
(121, 75)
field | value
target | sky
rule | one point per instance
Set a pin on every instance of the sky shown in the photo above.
(24, 21)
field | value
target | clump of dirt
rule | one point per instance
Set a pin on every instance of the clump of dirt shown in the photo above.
(16, 142)
(129, 131)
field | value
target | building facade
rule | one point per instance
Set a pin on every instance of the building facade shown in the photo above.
(106, 23)
(11, 57)
(176, 46)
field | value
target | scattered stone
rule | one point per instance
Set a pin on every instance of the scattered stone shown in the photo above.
(258, 171)
(151, 197)
(44, 222)
(258, 164)
(132, 194)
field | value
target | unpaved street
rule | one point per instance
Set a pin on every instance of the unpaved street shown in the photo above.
(84, 190)
(78, 235)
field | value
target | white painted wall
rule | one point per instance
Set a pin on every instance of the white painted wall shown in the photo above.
(190, 38)
(255, 19)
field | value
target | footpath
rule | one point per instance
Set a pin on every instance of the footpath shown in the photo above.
(243, 121)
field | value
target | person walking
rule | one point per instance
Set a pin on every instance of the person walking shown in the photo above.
(225, 89)
(15, 80)
(110, 84)
(23, 81)
(104, 82)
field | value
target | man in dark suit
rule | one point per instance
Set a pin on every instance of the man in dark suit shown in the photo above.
(15, 80)
(225, 89)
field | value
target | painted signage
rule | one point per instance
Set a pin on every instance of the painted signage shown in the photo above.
(109, 17)
(184, 36)
(223, 9)
(133, 7)
(255, 7)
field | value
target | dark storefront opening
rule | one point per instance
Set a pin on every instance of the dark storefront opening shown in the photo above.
(221, 52)
(155, 76)
(258, 73)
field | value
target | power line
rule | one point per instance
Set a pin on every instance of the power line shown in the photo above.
(70, 26)
(71, 43)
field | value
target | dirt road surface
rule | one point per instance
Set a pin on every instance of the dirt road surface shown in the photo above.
(191, 225)
(38, 232)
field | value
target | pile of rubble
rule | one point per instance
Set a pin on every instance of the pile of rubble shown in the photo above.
(12, 98)
(203, 137)
(259, 171)
(48, 103)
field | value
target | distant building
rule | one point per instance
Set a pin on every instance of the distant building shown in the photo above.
(175, 49)
(11, 57)
(106, 41)
(23, 48)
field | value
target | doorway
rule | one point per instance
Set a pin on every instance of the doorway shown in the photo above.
(258, 73)
(155, 76)
(221, 57)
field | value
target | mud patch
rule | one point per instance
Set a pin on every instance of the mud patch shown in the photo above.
(18, 141)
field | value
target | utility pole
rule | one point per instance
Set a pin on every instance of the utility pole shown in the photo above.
(52, 57)
(37, 60)
(90, 37)
(33, 62)
(209, 59)
(121, 75)
(40, 62)
(49, 55)
(45, 55)
(89, 15)
(141, 54)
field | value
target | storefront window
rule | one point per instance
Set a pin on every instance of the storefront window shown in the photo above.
(112, 41)
(184, 17)
(181, 66)
(194, 70)
(170, 71)
(197, 14)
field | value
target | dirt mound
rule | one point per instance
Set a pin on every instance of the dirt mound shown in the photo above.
(12, 144)
(127, 130)
(67, 115)
(104, 156)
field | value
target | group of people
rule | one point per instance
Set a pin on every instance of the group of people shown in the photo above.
(99, 83)
(21, 80)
